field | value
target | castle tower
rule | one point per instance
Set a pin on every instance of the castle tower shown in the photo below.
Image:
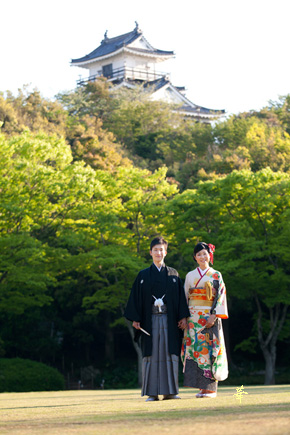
(130, 59)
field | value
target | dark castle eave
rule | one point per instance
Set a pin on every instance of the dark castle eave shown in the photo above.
(112, 46)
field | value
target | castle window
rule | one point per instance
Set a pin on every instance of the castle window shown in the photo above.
(107, 70)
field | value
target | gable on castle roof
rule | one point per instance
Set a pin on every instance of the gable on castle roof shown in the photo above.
(163, 90)
(134, 41)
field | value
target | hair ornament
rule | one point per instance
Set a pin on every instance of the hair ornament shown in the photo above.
(211, 251)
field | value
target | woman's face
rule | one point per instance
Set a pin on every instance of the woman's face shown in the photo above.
(202, 258)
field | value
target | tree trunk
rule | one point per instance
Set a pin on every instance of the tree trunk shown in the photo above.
(269, 368)
(138, 351)
(109, 343)
(268, 343)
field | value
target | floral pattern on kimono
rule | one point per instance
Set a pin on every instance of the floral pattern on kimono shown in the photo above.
(205, 346)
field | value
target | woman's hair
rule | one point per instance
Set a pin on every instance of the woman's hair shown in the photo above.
(199, 247)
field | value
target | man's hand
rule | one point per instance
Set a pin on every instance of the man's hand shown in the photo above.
(136, 325)
(182, 324)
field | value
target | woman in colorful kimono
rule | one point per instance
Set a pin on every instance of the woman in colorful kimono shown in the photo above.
(203, 350)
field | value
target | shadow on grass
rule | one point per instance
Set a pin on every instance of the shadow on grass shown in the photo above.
(187, 411)
(198, 413)
(46, 406)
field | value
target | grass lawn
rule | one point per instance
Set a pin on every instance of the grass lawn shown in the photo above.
(264, 410)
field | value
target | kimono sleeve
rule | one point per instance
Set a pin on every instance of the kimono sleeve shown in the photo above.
(221, 305)
(183, 307)
(186, 286)
(133, 309)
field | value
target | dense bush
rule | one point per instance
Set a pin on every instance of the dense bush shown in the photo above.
(19, 375)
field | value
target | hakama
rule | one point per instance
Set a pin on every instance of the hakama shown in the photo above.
(160, 371)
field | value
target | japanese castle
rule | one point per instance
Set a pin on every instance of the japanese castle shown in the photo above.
(129, 59)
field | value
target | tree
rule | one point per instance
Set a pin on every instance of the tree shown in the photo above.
(30, 110)
(260, 228)
(24, 274)
(45, 205)
(8, 117)
(88, 107)
(73, 238)
(93, 99)
(94, 145)
(246, 215)
(125, 248)
(252, 142)
(153, 130)
(281, 109)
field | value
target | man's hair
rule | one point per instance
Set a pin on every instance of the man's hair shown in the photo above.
(158, 241)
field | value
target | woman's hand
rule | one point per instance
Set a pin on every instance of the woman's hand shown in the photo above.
(136, 325)
(182, 324)
(210, 321)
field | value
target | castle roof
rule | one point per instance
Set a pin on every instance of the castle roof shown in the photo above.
(111, 46)
(187, 107)
(173, 94)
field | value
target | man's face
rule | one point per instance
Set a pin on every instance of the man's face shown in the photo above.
(158, 253)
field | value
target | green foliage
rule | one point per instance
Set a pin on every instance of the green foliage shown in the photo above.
(24, 275)
(113, 269)
(246, 216)
(94, 145)
(8, 116)
(30, 110)
(279, 110)
(72, 237)
(86, 182)
(29, 164)
(91, 99)
(88, 108)
(248, 345)
(109, 128)
(20, 375)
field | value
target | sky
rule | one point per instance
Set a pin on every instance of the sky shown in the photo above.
(229, 54)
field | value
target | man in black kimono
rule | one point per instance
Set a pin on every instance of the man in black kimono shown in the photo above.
(157, 304)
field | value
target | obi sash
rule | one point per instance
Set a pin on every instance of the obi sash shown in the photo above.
(198, 297)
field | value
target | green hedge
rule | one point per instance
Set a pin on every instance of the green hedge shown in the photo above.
(22, 375)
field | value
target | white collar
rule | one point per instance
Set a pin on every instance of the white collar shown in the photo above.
(159, 268)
